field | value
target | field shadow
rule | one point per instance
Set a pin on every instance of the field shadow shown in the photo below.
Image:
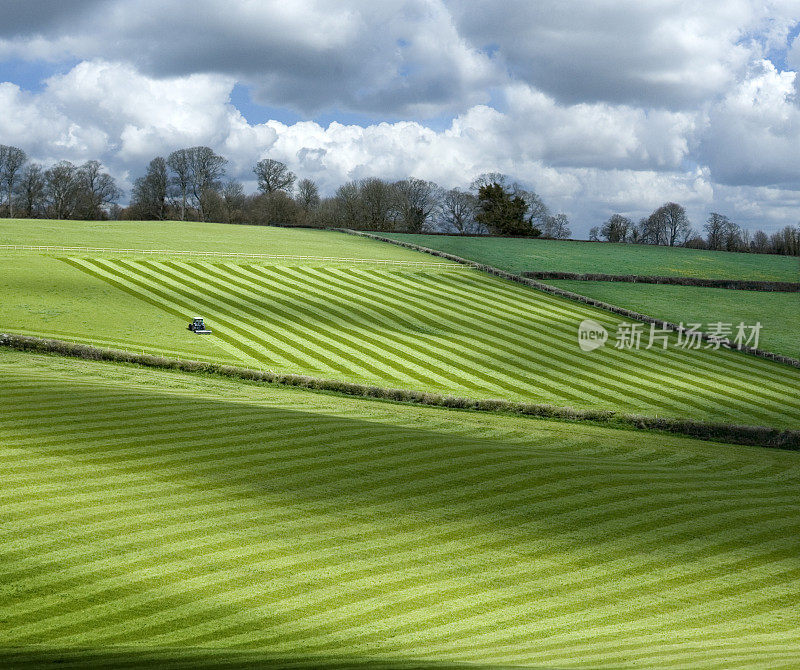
(357, 476)
(206, 659)
(428, 481)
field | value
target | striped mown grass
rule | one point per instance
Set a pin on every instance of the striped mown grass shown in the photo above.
(162, 519)
(762, 436)
(461, 333)
(44, 296)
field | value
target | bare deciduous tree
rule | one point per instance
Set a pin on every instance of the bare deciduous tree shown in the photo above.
(234, 198)
(366, 204)
(715, 228)
(556, 227)
(149, 196)
(273, 208)
(62, 188)
(538, 213)
(96, 189)
(273, 176)
(457, 209)
(760, 243)
(348, 205)
(786, 241)
(233, 194)
(11, 161)
(307, 195)
(180, 163)
(31, 190)
(617, 229)
(416, 199)
(489, 178)
(207, 170)
(377, 201)
(196, 173)
(670, 224)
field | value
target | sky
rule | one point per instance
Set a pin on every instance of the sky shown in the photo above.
(600, 106)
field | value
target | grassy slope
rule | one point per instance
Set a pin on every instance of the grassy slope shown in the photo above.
(520, 255)
(185, 514)
(194, 236)
(46, 297)
(454, 332)
(779, 313)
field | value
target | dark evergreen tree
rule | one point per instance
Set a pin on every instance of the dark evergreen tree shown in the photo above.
(502, 212)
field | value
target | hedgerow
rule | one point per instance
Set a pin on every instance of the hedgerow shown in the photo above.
(552, 290)
(764, 436)
(734, 284)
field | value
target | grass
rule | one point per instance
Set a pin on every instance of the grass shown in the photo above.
(452, 332)
(764, 436)
(458, 333)
(204, 521)
(778, 313)
(524, 255)
(47, 297)
(200, 237)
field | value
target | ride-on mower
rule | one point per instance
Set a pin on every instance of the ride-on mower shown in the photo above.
(198, 327)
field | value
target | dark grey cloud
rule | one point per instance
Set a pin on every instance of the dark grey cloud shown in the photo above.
(663, 54)
(420, 57)
(32, 17)
(395, 58)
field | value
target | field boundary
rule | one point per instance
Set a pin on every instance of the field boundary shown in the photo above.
(569, 295)
(732, 284)
(225, 254)
(761, 436)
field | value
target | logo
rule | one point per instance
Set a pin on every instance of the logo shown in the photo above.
(591, 335)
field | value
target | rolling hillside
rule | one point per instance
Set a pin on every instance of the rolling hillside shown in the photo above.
(192, 521)
(195, 236)
(457, 332)
(520, 255)
(386, 317)
(778, 313)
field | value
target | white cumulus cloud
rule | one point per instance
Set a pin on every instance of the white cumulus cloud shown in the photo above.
(600, 105)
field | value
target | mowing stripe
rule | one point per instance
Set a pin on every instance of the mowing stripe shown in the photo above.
(192, 521)
(460, 334)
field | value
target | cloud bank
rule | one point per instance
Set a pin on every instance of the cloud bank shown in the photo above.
(600, 106)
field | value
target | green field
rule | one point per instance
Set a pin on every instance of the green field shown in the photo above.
(444, 329)
(778, 313)
(194, 236)
(176, 519)
(47, 297)
(523, 255)
(460, 333)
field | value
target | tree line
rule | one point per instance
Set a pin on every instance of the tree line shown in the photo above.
(191, 184)
(62, 191)
(669, 225)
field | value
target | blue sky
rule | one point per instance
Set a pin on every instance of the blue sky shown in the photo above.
(599, 106)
